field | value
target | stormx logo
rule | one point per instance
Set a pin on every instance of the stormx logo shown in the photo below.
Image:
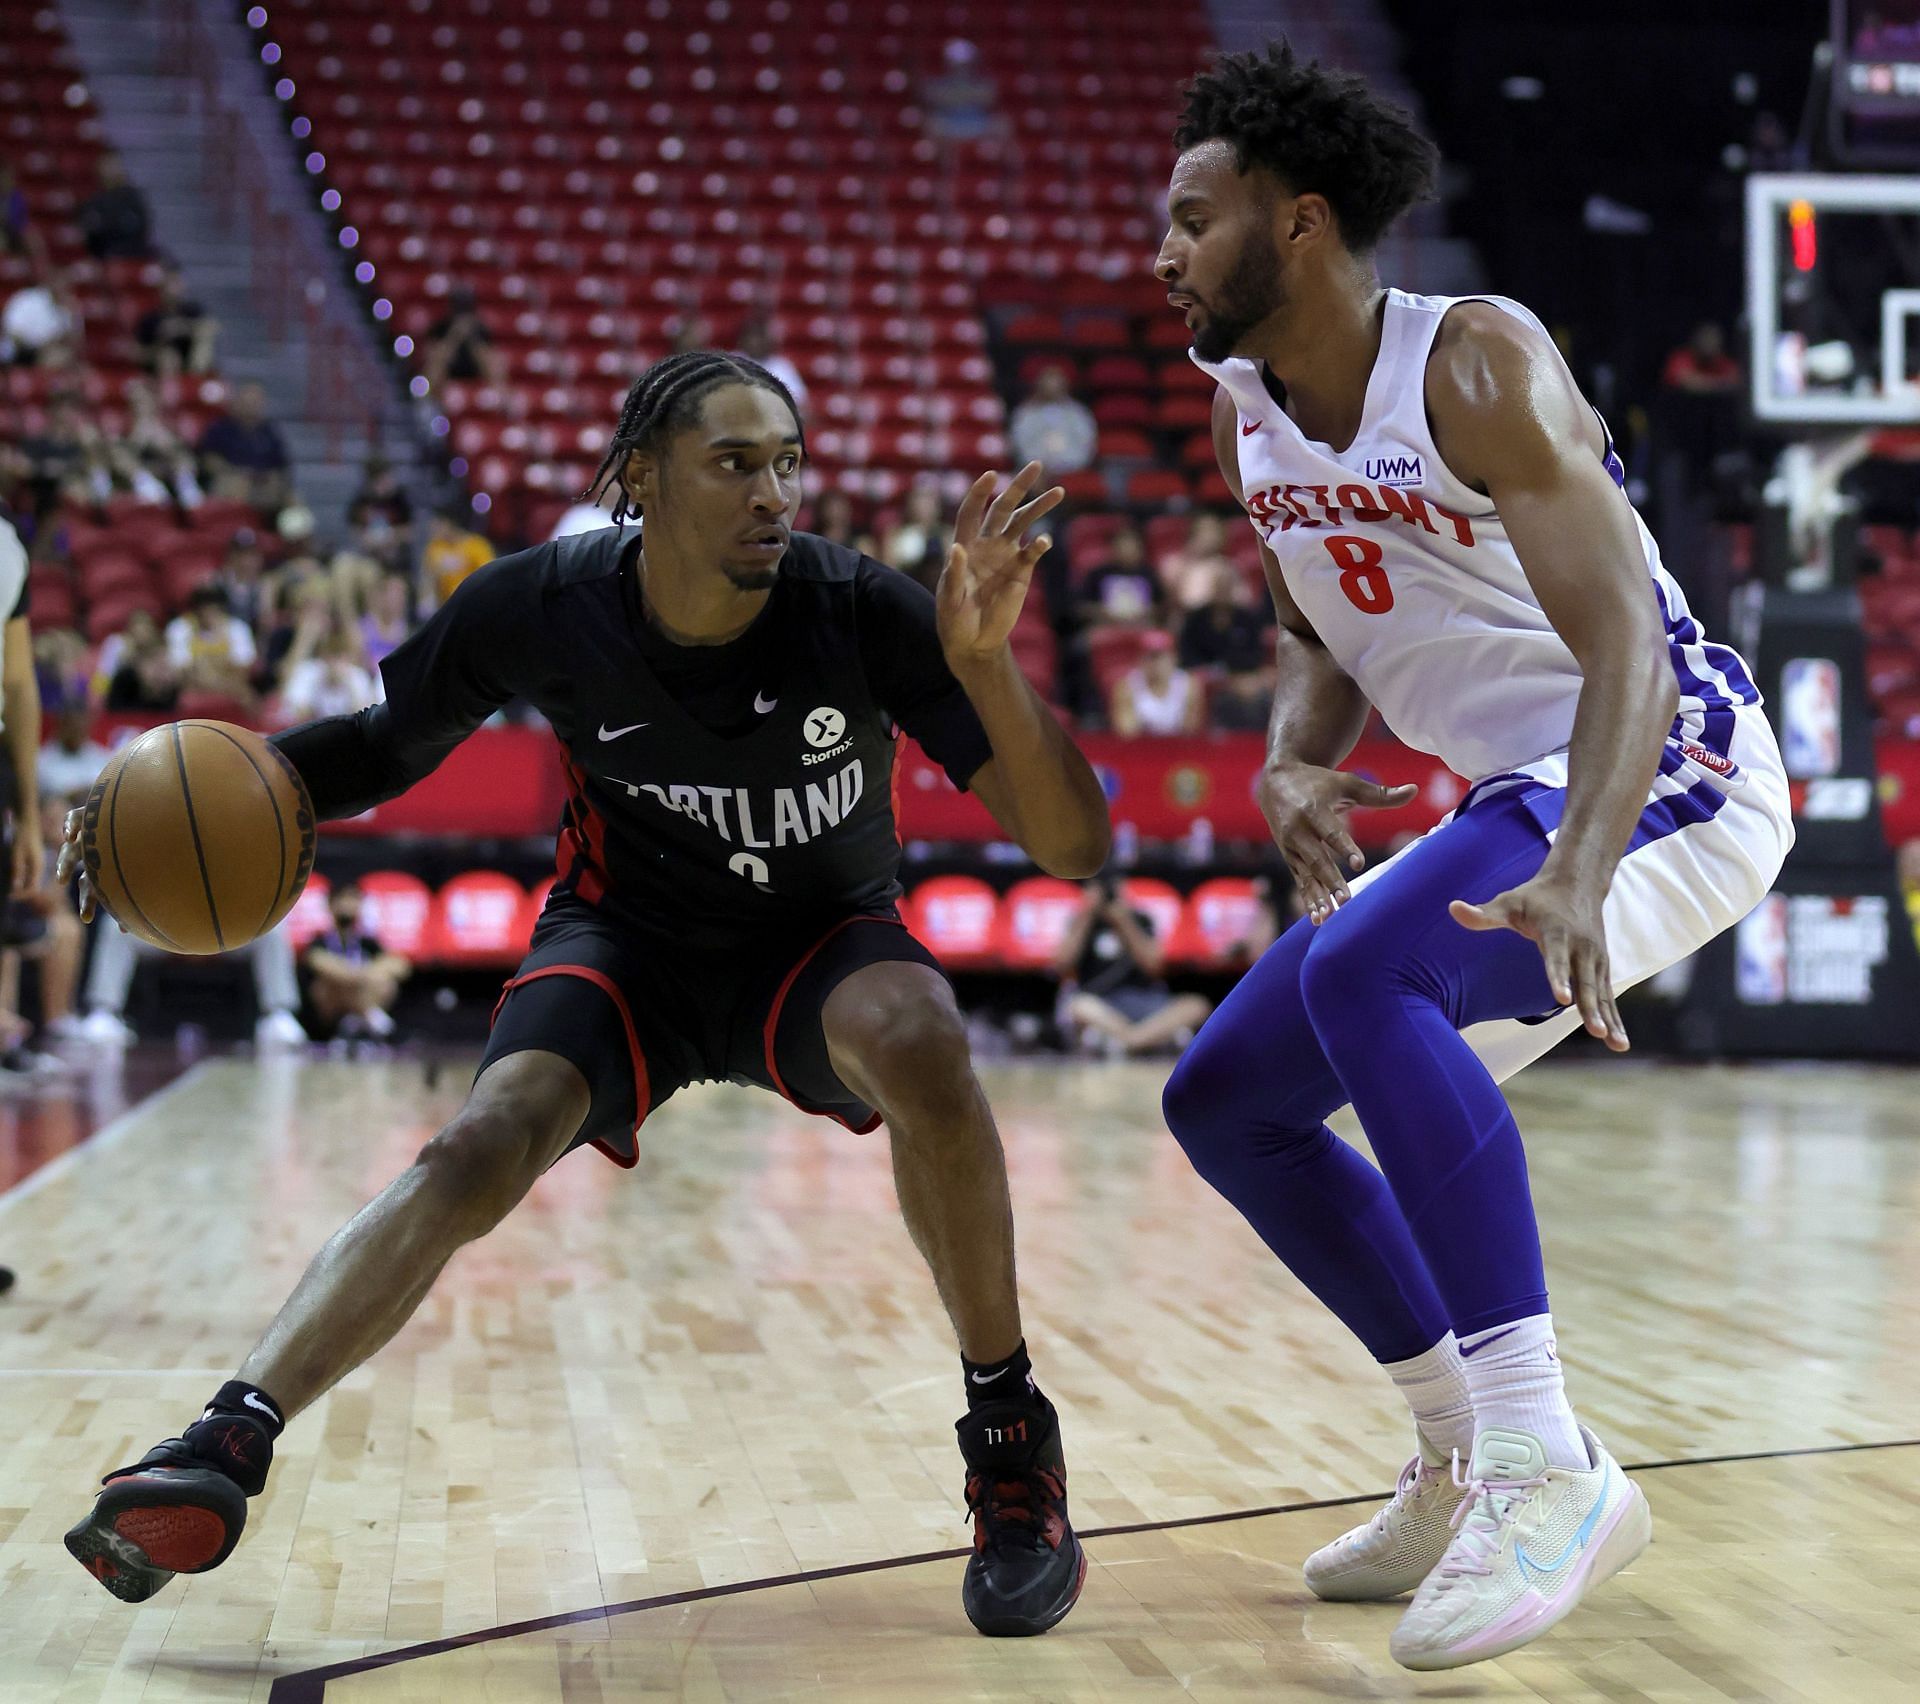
(1395, 470)
(826, 730)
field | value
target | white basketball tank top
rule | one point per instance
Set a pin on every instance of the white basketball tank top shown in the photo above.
(1409, 579)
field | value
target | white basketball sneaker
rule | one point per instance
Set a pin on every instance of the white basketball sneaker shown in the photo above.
(1400, 1546)
(1530, 1541)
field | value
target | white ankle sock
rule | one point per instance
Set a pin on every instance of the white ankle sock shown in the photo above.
(1513, 1373)
(1435, 1386)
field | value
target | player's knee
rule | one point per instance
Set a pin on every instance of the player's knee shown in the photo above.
(483, 1161)
(906, 1049)
(1197, 1102)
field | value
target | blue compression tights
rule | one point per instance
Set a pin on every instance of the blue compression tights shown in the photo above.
(1367, 1009)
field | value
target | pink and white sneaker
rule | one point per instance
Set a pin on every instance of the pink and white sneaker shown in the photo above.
(1392, 1553)
(1529, 1542)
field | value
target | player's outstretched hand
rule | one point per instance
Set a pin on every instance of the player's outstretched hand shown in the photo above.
(1567, 924)
(70, 864)
(1307, 809)
(988, 569)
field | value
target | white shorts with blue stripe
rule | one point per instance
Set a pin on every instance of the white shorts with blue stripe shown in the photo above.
(1706, 852)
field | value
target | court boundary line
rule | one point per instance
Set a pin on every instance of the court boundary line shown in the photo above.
(309, 1686)
(114, 1131)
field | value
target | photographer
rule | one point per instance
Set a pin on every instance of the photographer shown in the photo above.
(1112, 996)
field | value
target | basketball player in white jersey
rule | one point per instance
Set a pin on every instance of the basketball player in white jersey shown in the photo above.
(1447, 539)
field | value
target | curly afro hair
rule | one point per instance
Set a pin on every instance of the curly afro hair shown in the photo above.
(1315, 129)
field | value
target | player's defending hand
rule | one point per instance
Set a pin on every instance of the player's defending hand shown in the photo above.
(988, 569)
(1307, 808)
(1567, 924)
(70, 863)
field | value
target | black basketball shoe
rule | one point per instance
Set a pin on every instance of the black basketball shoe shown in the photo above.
(179, 1510)
(1027, 1568)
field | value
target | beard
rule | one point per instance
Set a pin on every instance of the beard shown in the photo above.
(753, 579)
(1251, 292)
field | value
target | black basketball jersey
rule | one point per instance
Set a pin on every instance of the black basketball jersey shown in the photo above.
(749, 789)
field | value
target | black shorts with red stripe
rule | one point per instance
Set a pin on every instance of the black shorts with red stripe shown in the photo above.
(641, 1018)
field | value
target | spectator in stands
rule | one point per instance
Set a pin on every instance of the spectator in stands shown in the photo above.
(1702, 363)
(690, 333)
(1053, 427)
(833, 520)
(41, 325)
(113, 219)
(381, 500)
(756, 343)
(452, 552)
(59, 665)
(176, 334)
(588, 516)
(388, 618)
(136, 672)
(212, 650)
(1277, 907)
(1156, 696)
(960, 101)
(917, 544)
(242, 576)
(67, 457)
(72, 758)
(244, 455)
(326, 674)
(459, 346)
(352, 980)
(110, 981)
(1189, 573)
(1110, 967)
(302, 601)
(1123, 591)
(17, 235)
(1225, 640)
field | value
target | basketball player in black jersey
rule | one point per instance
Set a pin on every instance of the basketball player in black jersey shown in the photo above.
(726, 694)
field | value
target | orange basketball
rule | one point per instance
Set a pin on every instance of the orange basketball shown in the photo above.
(198, 837)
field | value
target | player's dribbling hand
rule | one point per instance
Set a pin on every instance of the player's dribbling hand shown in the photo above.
(70, 864)
(1306, 807)
(1566, 923)
(985, 580)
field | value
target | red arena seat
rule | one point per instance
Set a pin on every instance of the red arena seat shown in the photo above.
(1034, 919)
(958, 918)
(1217, 917)
(478, 919)
(310, 917)
(395, 909)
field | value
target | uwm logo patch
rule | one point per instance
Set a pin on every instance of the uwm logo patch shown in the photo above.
(1395, 470)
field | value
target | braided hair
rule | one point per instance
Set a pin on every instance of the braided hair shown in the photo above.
(665, 398)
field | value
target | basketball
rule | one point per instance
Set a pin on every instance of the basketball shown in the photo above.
(198, 837)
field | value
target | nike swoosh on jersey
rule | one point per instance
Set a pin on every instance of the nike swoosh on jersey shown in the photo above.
(607, 733)
(763, 703)
(1248, 428)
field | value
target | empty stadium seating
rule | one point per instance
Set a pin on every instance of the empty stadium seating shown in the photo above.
(598, 175)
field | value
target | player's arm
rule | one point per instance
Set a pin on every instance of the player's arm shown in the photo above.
(1318, 712)
(1508, 418)
(20, 705)
(442, 682)
(1034, 779)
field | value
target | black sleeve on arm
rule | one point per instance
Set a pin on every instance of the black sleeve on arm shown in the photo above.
(442, 682)
(900, 648)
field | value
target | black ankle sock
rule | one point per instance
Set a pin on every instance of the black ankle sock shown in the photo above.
(1010, 1380)
(238, 1397)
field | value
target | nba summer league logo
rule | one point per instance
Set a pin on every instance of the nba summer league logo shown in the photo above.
(1395, 470)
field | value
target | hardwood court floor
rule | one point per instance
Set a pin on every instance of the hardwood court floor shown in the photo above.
(728, 1367)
